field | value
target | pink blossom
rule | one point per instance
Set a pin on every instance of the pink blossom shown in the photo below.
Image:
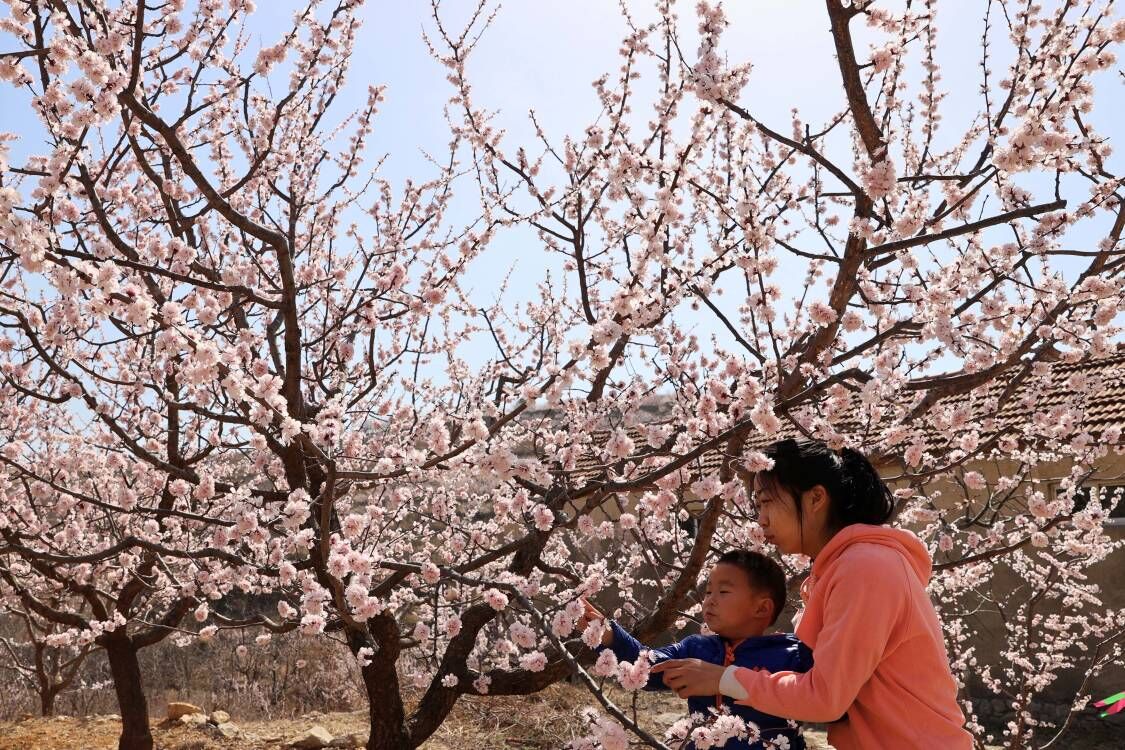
(430, 573)
(882, 58)
(312, 624)
(606, 664)
(706, 487)
(353, 525)
(290, 428)
(476, 429)
(268, 58)
(879, 179)
(592, 635)
(634, 676)
(974, 480)
(338, 565)
(764, 419)
(1039, 506)
(536, 661)
(619, 445)
(611, 735)
(544, 518)
(562, 625)
(523, 636)
(605, 331)
(821, 314)
(496, 599)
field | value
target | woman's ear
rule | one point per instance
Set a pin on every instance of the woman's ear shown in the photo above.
(817, 503)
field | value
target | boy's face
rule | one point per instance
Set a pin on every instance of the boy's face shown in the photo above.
(732, 607)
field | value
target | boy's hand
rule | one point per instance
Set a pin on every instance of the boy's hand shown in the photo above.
(593, 614)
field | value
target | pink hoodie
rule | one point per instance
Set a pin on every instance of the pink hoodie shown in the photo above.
(877, 648)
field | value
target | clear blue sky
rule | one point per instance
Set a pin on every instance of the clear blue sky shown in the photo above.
(543, 55)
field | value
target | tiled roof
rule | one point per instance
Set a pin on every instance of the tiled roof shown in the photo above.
(1104, 408)
(1033, 412)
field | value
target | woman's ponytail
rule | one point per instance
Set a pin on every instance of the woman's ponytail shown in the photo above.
(866, 497)
(858, 494)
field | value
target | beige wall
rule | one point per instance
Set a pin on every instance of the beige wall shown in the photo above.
(1107, 575)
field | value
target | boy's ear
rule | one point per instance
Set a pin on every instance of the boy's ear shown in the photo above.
(764, 607)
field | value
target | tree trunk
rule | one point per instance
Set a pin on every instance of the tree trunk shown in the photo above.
(135, 732)
(47, 691)
(386, 713)
(385, 709)
(47, 702)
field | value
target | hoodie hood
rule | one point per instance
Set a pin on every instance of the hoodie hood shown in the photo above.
(904, 542)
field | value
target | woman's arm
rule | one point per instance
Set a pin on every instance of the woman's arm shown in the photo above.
(862, 619)
(861, 615)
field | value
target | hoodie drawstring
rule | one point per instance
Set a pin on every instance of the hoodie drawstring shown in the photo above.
(728, 659)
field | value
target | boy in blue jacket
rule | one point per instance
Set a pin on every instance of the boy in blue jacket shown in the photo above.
(745, 594)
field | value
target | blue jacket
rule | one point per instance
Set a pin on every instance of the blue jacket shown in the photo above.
(781, 652)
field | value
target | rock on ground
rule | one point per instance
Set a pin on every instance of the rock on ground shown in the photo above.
(227, 730)
(175, 710)
(193, 719)
(353, 740)
(315, 738)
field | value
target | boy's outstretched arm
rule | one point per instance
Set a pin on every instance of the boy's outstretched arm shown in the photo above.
(627, 648)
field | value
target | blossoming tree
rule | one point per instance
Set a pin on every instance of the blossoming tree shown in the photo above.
(38, 656)
(234, 358)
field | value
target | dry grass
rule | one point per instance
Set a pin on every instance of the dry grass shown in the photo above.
(546, 721)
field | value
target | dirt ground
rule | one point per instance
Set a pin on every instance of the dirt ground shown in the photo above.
(545, 721)
(539, 722)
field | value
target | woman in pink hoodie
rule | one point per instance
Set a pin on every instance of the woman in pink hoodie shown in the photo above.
(881, 676)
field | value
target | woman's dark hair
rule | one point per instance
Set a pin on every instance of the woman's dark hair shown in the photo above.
(764, 574)
(857, 494)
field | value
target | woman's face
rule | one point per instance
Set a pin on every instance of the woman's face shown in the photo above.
(777, 515)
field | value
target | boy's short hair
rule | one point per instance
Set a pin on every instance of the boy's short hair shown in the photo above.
(764, 574)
